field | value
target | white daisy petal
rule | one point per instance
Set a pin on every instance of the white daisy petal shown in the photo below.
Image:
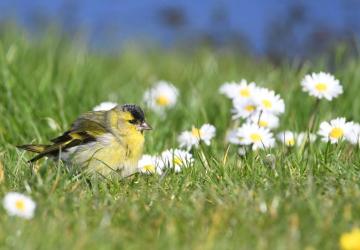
(228, 89)
(287, 138)
(207, 132)
(189, 139)
(322, 85)
(177, 159)
(243, 108)
(241, 90)
(267, 101)
(150, 164)
(257, 137)
(232, 136)
(335, 130)
(161, 96)
(353, 134)
(17, 204)
(264, 119)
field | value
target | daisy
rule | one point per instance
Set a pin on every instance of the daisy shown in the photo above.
(350, 240)
(205, 133)
(243, 108)
(105, 106)
(232, 136)
(242, 90)
(265, 119)
(287, 138)
(303, 137)
(19, 205)
(267, 101)
(353, 134)
(149, 164)
(161, 96)
(335, 130)
(228, 89)
(322, 85)
(258, 137)
(177, 159)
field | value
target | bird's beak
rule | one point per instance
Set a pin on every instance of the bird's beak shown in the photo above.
(144, 126)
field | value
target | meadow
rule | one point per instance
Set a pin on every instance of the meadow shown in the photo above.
(224, 201)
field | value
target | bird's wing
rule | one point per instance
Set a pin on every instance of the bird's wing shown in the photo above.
(84, 130)
(90, 124)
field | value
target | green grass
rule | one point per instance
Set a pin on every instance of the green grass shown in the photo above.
(311, 197)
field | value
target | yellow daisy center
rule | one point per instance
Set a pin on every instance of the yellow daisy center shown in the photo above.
(336, 133)
(290, 142)
(245, 92)
(196, 132)
(263, 123)
(20, 205)
(177, 161)
(149, 168)
(162, 100)
(255, 137)
(321, 87)
(350, 240)
(267, 104)
(250, 108)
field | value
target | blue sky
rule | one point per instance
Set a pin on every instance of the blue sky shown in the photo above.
(118, 21)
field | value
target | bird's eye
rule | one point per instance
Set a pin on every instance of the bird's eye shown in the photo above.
(133, 121)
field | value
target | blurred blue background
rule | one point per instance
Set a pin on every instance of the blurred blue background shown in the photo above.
(263, 27)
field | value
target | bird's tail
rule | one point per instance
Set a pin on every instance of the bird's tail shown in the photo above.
(35, 148)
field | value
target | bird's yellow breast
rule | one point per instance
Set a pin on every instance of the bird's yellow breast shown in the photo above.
(110, 155)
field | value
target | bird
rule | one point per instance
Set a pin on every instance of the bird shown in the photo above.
(109, 143)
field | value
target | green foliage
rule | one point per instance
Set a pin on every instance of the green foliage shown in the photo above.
(306, 202)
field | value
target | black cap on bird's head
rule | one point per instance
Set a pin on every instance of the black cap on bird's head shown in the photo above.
(138, 114)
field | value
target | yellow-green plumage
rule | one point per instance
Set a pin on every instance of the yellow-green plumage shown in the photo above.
(106, 142)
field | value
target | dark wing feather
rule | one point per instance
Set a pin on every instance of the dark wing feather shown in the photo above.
(93, 123)
(84, 130)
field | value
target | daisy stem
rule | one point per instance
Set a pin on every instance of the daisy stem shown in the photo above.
(311, 122)
(310, 126)
(203, 156)
(258, 122)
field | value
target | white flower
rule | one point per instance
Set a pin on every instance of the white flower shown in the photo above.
(264, 119)
(150, 164)
(242, 90)
(187, 140)
(228, 89)
(335, 130)
(161, 96)
(105, 106)
(287, 138)
(322, 85)
(258, 137)
(243, 108)
(232, 136)
(19, 205)
(303, 137)
(205, 133)
(267, 101)
(177, 159)
(353, 134)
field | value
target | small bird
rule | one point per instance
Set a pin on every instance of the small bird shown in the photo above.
(105, 142)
